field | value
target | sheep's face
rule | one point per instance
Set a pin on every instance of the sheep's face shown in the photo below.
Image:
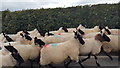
(42, 32)
(27, 37)
(102, 37)
(65, 29)
(81, 32)
(77, 36)
(38, 41)
(106, 38)
(100, 28)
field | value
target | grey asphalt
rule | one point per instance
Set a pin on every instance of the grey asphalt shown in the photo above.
(103, 60)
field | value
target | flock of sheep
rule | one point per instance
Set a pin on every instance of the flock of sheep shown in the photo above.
(55, 47)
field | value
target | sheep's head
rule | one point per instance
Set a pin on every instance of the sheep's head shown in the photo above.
(38, 41)
(81, 26)
(77, 36)
(65, 29)
(49, 34)
(100, 28)
(80, 31)
(42, 32)
(28, 37)
(102, 37)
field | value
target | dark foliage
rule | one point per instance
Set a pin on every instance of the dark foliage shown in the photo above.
(52, 19)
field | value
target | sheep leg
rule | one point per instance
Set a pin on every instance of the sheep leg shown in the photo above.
(96, 59)
(51, 66)
(108, 55)
(67, 63)
(31, 63)
(86, 58)
(80, 63)
(17, 66)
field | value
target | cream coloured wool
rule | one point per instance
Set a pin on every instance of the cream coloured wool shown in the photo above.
(57, 38)
(113, 45)
(7, 60)
(91, 46)
(87, 30)
(57, 54)
(28, 51)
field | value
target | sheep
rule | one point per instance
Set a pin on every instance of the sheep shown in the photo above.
(70, 30)
(81, 26)
(95, 29)
(27, 52)
(67, 30)
(7, 60)
(10, 59)
(20, 41)
(34, 33)
(61, 37)
(60, 30)
(3, 51)
(93, 46)
(7, 37)
(113, 31)
(56, 38)
(49, 53)
(24, 39)
(113, 45)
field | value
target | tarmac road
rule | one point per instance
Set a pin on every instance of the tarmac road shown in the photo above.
(104, 61)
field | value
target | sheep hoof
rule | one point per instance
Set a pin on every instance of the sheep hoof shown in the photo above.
(98, 64)
(111, 58)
